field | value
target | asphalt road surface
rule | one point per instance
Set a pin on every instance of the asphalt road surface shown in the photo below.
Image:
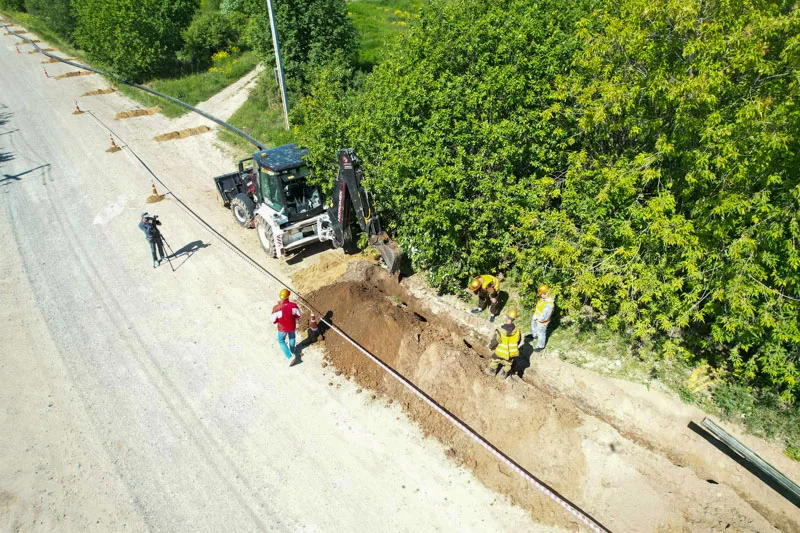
(138, 399)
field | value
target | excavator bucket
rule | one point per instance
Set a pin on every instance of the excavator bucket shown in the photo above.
(392, 254)
(389, 250)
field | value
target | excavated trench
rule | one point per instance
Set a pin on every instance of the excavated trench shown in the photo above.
(546, 434)
(433, 354)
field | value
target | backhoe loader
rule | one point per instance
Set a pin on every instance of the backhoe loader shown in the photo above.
(271, 192)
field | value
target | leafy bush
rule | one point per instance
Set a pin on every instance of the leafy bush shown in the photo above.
(56, 13)
(640, 156)
(312, 33)
(134, 37)
(207, 34)
(13, 5)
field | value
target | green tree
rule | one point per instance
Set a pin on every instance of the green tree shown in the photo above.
(640, 156)
(207, 34)
(13, 5)
(312, 33)
(454, 127)
(57, 14)
(134, 37)
(682, 190)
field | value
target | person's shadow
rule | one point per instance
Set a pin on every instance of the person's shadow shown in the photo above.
(187, 251)
(312, 337)
(523, 360)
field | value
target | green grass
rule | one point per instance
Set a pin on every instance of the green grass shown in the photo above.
(379, 21)
(261, 117)
(193, 88)
(40, 29)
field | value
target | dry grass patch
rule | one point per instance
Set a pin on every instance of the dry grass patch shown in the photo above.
(37, 51)
(182, 134)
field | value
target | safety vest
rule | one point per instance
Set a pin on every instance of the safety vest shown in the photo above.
(507, 344)
(489, 281)
(285, 315)
(542, 314)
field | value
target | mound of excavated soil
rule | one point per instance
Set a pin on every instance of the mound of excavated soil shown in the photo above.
(625, 486)
(137, 113)
(182, 134)
(99, 91)
(74, 74)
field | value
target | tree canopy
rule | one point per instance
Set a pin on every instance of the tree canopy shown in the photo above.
(134, 37)
(640, 156)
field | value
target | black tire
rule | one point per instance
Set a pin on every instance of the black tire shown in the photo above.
(266, 237)
(243, 208)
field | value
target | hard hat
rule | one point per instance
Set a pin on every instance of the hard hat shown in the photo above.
(512, 314)
(543, 288)
(475, 284)
(284, 294)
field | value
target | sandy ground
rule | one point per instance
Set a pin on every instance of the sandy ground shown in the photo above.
(140, 399)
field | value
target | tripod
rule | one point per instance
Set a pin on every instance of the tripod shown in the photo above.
(171, 251)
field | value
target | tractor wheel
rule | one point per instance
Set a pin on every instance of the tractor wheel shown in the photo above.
(265, 237)
(242, 208)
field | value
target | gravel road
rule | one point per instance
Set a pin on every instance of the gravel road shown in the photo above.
(139, 399)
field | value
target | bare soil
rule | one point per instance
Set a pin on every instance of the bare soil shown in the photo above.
(137, 113)
(181, 134)
(616, 477)
(74, 74)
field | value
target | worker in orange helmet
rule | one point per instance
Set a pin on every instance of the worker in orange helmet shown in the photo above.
(285, 315)
(505, 345)
(487, 289)
(542, 315)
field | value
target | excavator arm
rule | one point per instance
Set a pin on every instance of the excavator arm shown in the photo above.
(350, 198)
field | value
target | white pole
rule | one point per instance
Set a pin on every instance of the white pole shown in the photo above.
(279, 63)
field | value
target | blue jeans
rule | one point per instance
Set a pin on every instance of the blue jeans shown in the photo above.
(153, 245)
(539, 331)
(287, 350)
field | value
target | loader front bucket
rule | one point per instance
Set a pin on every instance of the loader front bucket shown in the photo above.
(391, 253)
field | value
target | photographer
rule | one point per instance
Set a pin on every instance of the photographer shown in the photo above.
(149, 225)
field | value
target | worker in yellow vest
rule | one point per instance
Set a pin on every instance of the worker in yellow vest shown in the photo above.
(542, 315)
(487, 288)
(505, 344)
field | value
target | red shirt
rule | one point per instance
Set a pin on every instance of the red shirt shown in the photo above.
(285, 315)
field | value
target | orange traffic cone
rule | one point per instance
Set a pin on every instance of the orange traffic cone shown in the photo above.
(313, 327)
(114, 147)
(45, 72)
(79, 112)
(154, 196)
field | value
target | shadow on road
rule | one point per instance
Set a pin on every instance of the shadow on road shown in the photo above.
(187, 251)
(16, 177)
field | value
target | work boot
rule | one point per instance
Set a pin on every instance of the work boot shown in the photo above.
(491, 371)
(294, 361)
(155, 264)
(476, 311)
(491, 318)
(504, 374)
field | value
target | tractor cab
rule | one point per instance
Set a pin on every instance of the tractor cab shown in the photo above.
(282, 183)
